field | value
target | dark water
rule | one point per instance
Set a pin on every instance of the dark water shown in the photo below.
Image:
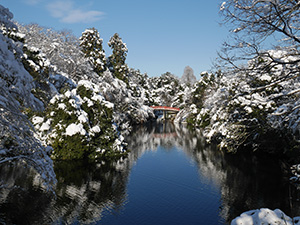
(170, 177)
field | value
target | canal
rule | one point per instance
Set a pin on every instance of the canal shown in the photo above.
(171, 176)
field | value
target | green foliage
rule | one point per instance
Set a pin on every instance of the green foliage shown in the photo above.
(248, 127)
(198, 95)
(70, 147)
(82, 91)
(191, 121)
(205, 120)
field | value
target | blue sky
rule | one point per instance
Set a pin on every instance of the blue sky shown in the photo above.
(161, 35)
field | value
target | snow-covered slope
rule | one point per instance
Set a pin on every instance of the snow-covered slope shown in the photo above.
(16, 133)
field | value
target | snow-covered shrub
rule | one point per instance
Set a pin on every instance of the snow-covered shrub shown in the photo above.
(241, 116)
(195, 98)
(69, 65)
(269, 78)
(79, 124)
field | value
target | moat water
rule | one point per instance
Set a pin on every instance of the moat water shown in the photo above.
(169, 177)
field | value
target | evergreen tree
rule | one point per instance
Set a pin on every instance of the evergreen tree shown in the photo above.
(117, 59)
(188, 76)
(91, 45)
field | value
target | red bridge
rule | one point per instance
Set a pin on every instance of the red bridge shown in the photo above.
(168, 112)
(165, 108)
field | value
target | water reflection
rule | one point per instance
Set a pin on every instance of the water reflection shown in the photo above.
(84, 191)
(245, 181)
(167, 135)
(23, 199)
(87, 192)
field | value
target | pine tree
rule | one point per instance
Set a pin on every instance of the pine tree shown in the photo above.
(117, 59)
(91, 45)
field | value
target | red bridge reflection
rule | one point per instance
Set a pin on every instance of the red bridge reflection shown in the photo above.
(164, 135)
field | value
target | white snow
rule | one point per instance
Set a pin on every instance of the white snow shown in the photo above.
(73, 129)
(62, 106)
(96, 129)
(44, 127)
(222, 6)
(68, 94)
(265, 216)
(83, 118)
(248, 109)
(265, 77)
(281, 110)
(37, 120)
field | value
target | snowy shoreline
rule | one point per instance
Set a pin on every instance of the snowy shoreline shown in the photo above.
(265, 216)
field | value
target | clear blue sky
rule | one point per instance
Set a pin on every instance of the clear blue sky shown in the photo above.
(161, 35)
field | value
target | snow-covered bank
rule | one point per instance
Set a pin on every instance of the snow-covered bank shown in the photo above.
(265, 216)
(16, 133)
(246, 110)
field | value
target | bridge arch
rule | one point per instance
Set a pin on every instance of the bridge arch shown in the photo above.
(166, 110)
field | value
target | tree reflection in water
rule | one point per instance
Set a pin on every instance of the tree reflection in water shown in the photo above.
(83, 193)
(23, 198)
(87, 192)
(245, 181)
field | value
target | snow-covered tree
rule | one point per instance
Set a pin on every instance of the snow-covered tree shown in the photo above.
(63, 54)
(254, 103)
(79, 124)
(6, 18)
(62, 50)
(128, 108)
(165, 89)
(252, 22)
(118, 57)
(188, 76)
(91, 45)
(248, 109)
